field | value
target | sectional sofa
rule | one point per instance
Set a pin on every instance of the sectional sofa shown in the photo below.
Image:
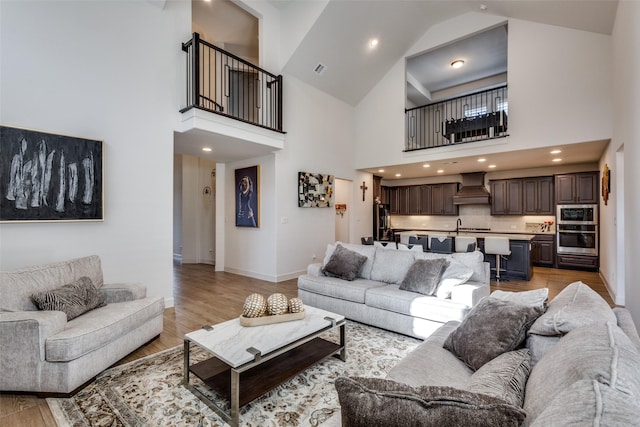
(577, 366)
(374, 297)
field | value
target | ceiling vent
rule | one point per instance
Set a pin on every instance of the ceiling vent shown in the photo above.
(320, 69)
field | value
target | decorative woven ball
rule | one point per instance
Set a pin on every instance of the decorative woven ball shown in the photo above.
(254, 306)
(296, 305)
(277, 304)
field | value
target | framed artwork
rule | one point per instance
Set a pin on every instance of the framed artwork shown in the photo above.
(50, 177)
(248, 197)
(606, 184)
(315, 190)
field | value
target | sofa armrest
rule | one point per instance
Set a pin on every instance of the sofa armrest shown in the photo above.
(315, 269)
(469, 293)
(23, 335)
(120, 292)
(626, 324)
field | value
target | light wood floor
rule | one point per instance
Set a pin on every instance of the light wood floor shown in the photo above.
(203, 296)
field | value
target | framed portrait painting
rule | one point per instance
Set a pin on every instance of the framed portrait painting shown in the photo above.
(49, 177)
(247, 182)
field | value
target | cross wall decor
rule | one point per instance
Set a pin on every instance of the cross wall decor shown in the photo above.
(364, 189)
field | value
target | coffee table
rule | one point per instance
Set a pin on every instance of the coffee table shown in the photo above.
(249, 361)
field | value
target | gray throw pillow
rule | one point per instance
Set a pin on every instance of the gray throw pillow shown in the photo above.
(367, 402)
(344, 264)
(424, 275)
(491, 328)
(575, 306)
(73, 299)
(504, 377)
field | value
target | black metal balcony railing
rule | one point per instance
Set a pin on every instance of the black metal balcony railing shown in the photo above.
(222, 83)
(474, 117)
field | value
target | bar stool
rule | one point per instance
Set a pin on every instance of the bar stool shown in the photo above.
(462, 243)
(498, 246)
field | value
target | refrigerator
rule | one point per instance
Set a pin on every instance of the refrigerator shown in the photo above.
(381, 229)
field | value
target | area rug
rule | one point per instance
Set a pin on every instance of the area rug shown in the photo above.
(148, 391)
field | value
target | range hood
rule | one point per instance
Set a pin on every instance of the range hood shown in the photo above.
(473, 191)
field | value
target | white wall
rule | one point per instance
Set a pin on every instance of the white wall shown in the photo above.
(343, 194)
(626, 101)
(110, 71)
(177, 206)
(559, 93)
(319, 140)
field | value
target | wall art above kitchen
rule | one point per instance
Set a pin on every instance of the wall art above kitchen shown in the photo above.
(49, 177)
(315, 190)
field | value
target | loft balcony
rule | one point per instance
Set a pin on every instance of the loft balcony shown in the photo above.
(475, 117)
(232, 100)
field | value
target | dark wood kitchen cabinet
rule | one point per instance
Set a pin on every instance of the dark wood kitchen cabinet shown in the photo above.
(403, 200)
(394, 205)
(577, 188)
(425, 199)
(506, 197)
(414, 200)
(543, 251)
(442, 199)
(538, 195)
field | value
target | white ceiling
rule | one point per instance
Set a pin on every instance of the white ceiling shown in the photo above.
(339, 37)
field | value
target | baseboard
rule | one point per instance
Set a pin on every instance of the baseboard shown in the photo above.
(265, 277)
(169, 302)
(289, 276)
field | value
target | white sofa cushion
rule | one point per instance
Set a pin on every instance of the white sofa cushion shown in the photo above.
(334, 287)
(391, 298)
(391, 266)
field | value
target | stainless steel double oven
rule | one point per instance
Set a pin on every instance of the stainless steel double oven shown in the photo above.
(577, 229)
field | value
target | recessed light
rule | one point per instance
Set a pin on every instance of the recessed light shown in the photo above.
(380, 170)
(426, 165)
(492, 166)
(556, 160)
(398, 174)
(207, 149)
(556, 152)
(373, 42)
(440, 170)
(482, 160)
(483, 7)
(457, 63)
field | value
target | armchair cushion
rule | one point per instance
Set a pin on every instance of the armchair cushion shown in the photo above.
(120, 292)
(16, 287)
(72, 299)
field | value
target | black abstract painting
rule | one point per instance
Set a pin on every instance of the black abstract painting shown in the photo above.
(49, 177)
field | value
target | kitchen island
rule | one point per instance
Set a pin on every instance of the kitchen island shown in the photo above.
(518, 265)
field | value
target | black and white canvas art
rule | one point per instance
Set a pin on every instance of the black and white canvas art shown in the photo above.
(49, 177)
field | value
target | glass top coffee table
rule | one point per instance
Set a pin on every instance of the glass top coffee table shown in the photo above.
(247, 362)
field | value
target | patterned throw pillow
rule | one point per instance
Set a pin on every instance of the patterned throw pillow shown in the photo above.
(73, 299)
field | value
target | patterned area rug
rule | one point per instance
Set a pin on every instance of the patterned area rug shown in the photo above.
(148, 391)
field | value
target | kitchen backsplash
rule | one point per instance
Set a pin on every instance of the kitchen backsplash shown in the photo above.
(477, 217)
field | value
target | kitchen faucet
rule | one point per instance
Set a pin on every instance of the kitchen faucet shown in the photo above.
(458, 225)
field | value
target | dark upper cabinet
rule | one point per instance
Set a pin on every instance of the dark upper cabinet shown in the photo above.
(428, 199)
(394, 205)
(506, 197)
(577, 188)
(425, 199)
(538, 195)
(403, 200)
(414, 200)
(442, 199)
(384, 195)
